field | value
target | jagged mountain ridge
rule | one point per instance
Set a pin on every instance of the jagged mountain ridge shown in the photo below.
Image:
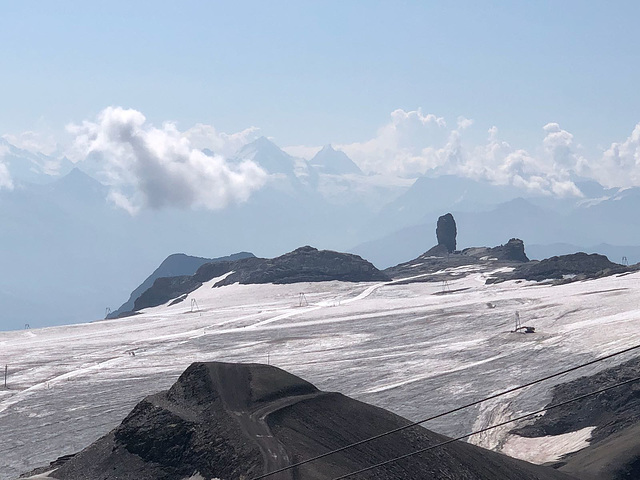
(305, 264)
(175, 265)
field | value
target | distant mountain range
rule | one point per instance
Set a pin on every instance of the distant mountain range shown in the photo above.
(68, 253)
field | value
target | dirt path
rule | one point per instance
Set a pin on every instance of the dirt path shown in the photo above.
(274, 453)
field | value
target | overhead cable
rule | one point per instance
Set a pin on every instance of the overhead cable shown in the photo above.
(486, 429)
(448, 412)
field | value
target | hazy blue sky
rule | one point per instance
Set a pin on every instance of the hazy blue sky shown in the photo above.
(317, 72)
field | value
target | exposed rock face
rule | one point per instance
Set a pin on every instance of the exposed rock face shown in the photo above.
(446, 232)
(614, 451)
(437, 251)
(305, 264)
(164, 289)
(439, 258)
(174, 265)
(230, 421)
(576, 266)
(512, 251)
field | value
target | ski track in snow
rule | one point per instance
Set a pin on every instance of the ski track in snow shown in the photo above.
(409, 348)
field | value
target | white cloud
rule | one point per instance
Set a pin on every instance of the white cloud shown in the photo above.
(160, 167)
(5, 176)
(413, 143)
(404, 146)
(204, 137)
(498, 162)
(33, 142)
(559, 146)
(464, 123)
(620, 164)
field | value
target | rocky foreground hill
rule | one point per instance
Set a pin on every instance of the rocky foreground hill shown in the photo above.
(239, 421)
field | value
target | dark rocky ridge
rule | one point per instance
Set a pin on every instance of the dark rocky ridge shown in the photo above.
(231, 421)
(444, 255)
(576, 266)
(305, 264)
(175, 265)
(438, 258)
(614, 453)
(429, 266)
(512, 251)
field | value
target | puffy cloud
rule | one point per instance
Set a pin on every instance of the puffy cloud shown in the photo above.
(159, 167)
(34, 142)
(404, 146)
(413, 143)
(498, 162)
(464, 123)
(620, 164)
(559, 146)
(207, 137)
(5, 176)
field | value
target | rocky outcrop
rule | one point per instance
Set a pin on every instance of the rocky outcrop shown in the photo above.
(576, 266)
(230, 421)
(305, 264)
(175, 265)
(165, 289)
(512, 251)
(614, 451)
(425, 268)
(446, 232)
(588, 265)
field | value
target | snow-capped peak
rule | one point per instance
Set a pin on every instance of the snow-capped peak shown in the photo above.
(334, 162)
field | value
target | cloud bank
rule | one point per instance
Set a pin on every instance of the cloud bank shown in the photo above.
(5, 176)
(34, 142)
(621, 162)
(413, 143)
(206, 137)
(158, 167)
(154, 167)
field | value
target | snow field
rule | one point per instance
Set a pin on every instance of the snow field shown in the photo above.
(409, 348)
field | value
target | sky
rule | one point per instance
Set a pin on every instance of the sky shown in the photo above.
(310, 73)
(533, 90)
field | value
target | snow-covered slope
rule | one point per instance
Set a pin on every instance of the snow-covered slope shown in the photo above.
(409, 348)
